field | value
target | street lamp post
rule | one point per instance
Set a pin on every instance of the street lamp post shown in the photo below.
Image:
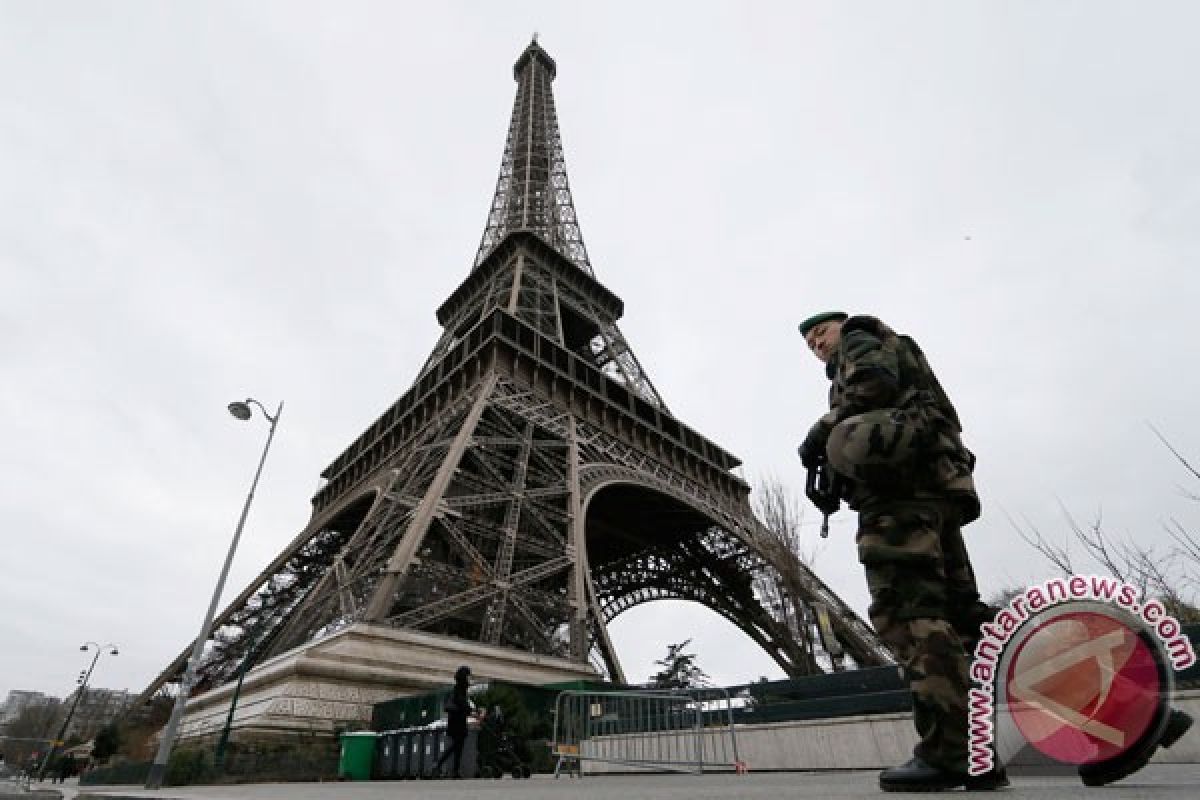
(154, 780)
(84, 677)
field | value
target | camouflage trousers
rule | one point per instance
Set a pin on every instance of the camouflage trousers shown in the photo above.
(925, 606)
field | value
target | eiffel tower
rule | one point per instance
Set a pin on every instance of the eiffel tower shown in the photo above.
(531, 486)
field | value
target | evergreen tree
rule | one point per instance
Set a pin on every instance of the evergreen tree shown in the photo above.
(107, 742)
(679, 669)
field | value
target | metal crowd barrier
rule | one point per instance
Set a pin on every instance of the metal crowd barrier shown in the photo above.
(670, 731)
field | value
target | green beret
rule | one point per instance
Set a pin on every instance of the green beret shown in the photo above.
(817, 319)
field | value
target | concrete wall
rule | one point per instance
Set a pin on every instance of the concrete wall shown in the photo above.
(335, 682)
(864, 742)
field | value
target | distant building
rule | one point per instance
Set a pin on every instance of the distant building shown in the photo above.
(97, 708)
(20, 699)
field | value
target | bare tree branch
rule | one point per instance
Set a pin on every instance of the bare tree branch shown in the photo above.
(1151, 576)
(781, 512)
(1110, 556)
(1172, 577)
(1174, 452)
(1189, 544)
(777, 586)
(1188, 552)
(1058, 556)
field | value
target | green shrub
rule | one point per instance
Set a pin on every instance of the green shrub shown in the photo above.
(117, 773)
(189, 766)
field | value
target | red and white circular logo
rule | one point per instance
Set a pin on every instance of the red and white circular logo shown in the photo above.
(1084, 684)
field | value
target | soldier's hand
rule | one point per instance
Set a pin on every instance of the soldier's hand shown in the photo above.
(812, 450)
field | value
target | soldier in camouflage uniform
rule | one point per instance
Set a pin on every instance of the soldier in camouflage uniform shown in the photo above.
(894, 437)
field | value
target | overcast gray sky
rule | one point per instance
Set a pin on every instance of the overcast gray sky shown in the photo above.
(208, 200)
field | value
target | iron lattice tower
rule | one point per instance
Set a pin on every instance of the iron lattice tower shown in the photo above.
(531, 485)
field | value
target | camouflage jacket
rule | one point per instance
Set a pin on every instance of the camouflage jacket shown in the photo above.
(875, 368)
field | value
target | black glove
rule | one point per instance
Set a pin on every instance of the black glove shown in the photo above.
(812, 451)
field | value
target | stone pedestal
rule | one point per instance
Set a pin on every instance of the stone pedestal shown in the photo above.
(333, 683)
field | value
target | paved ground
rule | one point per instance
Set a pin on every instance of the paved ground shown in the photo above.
(1173, 781)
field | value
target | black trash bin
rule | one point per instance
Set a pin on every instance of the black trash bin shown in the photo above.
(436, 743)
(428, 752)
(405, 745)
(416, 752)
(385, 756)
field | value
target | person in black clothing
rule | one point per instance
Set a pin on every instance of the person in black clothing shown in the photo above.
(457, 707)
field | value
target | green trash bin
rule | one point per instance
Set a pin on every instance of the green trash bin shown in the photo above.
(358, 755)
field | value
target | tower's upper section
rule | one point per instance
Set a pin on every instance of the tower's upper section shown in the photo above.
(532, 192)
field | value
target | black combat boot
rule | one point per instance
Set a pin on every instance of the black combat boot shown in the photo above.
(1123, 766)
(918, 776)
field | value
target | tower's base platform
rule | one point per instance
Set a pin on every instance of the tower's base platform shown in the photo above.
(333, 683)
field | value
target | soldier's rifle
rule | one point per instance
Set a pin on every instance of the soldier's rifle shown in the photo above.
(822, 487)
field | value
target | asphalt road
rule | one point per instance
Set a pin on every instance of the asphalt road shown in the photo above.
(1165, 781)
